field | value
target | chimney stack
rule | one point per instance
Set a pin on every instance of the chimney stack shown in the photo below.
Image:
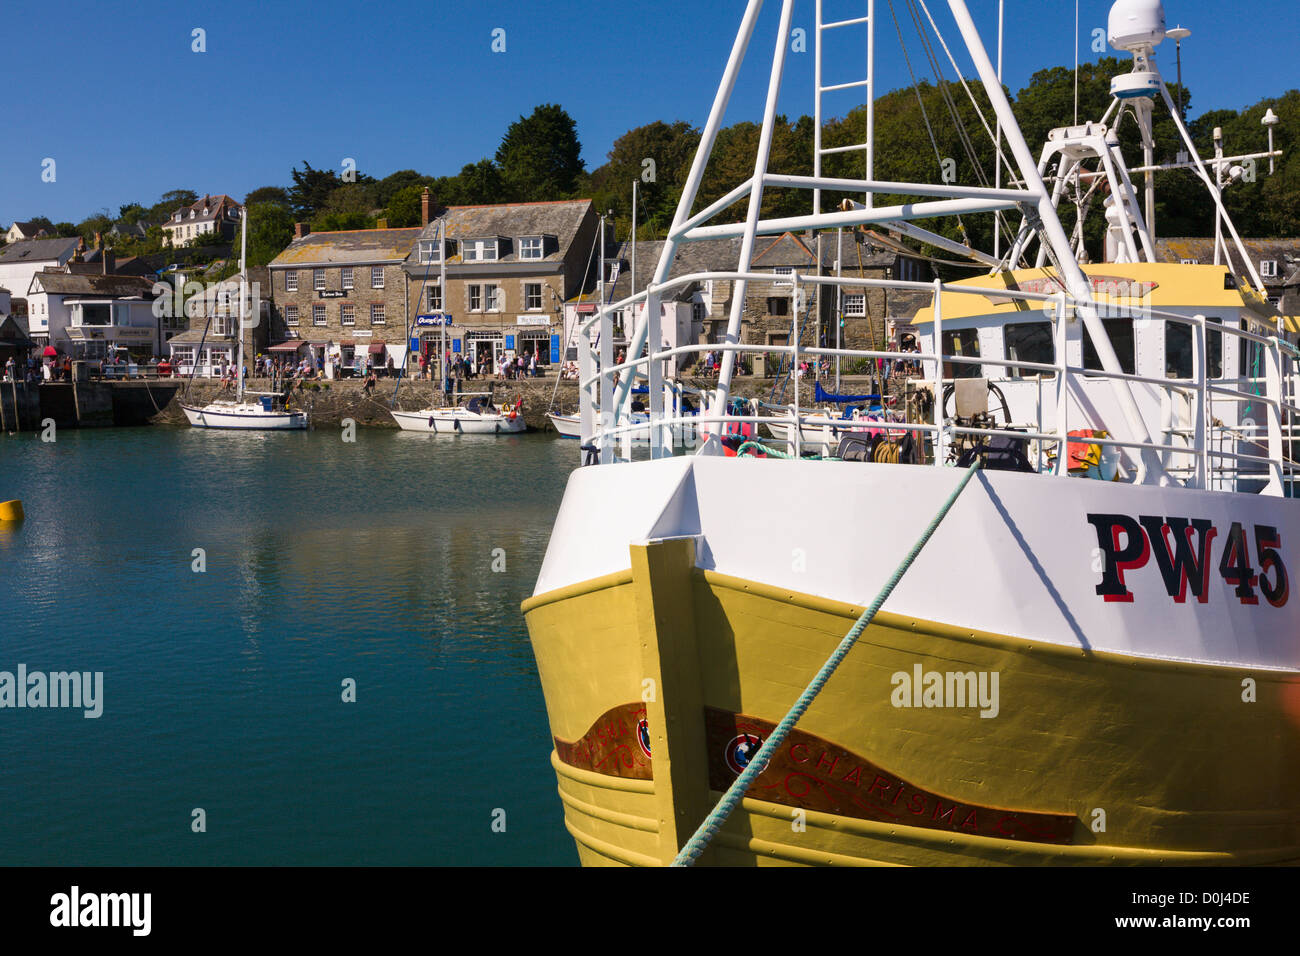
(381, 223)
(425, 201)
(301, 229)
(110, 262)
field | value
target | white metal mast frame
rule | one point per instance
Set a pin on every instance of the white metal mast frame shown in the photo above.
(243, 296)
(1033, 198)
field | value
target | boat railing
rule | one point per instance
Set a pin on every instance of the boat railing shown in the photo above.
(1196, 449)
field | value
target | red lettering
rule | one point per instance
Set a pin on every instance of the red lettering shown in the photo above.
(853, 776)
(822, 760)
(947, 815)
(970, 820)
(914, 808)
(880, 782)
(795, 757)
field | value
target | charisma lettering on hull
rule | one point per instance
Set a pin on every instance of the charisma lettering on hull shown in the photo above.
(1183, 550)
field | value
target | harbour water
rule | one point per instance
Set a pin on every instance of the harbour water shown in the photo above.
(397, 561)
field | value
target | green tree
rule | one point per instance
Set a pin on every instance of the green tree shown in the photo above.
(272, 194)
(311, 189)
(670, 147)
(270, 230)
(540, 157)
(404, 207)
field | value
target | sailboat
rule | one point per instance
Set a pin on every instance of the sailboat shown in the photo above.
(1055, 630)
(270, 412)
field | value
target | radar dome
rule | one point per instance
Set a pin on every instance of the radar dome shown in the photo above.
(1135, 24)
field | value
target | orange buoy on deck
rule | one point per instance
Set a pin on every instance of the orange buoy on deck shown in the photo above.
(11, 510)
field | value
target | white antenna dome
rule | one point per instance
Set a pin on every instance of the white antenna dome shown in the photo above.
(1135, 24)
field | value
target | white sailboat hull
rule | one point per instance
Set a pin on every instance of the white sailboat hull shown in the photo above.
(459, 421)
(243, 416)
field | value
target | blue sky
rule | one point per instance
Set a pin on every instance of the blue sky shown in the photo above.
(116, 96)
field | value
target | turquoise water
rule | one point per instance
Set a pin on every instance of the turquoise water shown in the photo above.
(223, 690)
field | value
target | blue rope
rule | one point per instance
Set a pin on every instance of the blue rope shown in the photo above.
(735, 793)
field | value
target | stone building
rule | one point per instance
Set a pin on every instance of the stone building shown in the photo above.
(209, 340)
(342, 295)
(510, 268)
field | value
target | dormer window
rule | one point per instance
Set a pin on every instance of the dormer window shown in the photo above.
(429, 251)
(532, 247)
(480, 250)
(191, 213)
(1268, 268)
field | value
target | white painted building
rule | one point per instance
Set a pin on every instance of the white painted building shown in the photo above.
(86, 315)
(19, 263)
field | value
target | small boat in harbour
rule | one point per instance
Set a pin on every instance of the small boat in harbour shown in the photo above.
(476, 416)
(271, 412)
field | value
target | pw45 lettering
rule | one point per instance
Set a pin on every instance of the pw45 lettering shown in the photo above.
(1183, 551)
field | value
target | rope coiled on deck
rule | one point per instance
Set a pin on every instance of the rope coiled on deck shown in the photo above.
(702, 837)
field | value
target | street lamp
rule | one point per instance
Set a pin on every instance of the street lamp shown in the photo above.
(1178, 35)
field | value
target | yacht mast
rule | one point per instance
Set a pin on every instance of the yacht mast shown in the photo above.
(243, 294)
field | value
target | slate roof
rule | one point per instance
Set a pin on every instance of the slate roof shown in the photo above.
(63, 283)
(561, 219)
(205, 209)
(38, 250)
(27, 228)
(1202, 250)
(357, 245)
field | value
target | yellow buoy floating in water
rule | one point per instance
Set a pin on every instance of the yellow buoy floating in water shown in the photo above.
(11, 510)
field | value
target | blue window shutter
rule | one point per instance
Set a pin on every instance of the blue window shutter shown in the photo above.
(455, 345)
(555, 348)
(510, 341)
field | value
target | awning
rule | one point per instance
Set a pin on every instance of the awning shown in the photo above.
(348, 342)
(376, 348)
(50, 351)
(291, 346)
(586, 309)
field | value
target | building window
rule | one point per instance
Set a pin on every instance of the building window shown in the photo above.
(531, 247)
(347, 315)
(290, 315)
(855, 305)
(318, 315)
(429, 251)
(532, 296)
(291, 281)
(785, 271)
(479, 250)
(318, 279)
(377, 313)
(434, 295)
(1268, 269)
(909, 270)
(475, 298)
(346, 276)
(778, 306)
(494, 298)
(697, 312)
(1029, 342)
(376, 277)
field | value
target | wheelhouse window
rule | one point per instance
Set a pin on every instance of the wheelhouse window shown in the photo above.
(1120, 332)
(966, 343)
(1250, 355)
(1029, 342)
(1178, 350)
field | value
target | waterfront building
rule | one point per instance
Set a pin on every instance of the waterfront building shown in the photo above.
(209, 342)
(87, 315)
(510, 269)
(19, 263)
(342, 296)
(214, 216)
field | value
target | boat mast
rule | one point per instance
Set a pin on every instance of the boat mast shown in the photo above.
(442, 297)
(243, 293)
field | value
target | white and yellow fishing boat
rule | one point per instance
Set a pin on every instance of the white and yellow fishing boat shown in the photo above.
(1093, 660)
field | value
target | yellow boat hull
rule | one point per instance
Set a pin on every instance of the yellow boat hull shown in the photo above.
(1091, 757)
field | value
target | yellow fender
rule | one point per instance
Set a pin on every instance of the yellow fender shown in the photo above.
(11, 510)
